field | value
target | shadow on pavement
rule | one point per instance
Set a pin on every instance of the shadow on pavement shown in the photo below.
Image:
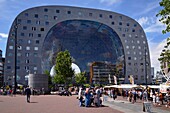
(33, 102)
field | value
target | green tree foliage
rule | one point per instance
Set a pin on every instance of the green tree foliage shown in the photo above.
(64, 71)
(165, 14)
(80, 78)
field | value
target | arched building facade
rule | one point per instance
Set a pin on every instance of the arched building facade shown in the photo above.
(90, 35)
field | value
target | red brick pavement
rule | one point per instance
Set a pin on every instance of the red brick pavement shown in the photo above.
(47, 104)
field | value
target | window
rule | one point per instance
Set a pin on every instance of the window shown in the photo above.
(35, 68)
(37, 41)
(41, 29)
(45, 17)
(26, 14)
(34, 28)
(38, 22)
(22, 34)
(90, 14)
(8, 67)
(29, 21)
(129, 58)
(100, 15)
(127, 47)
(129, 64)
(135, 58)
(46, 23)
(135, 25)
(110, 16)
(68, 12)
(29, 41)
(27, 61)
(36, 15)
(138, 41)
(24, 27)
(18, 54)
(55, 18)
(27, 48)
(26, 67)
(120, 23)
(10, 54)
(30, 34)
(39, 35)
(27, 54)
(130, 35)
(79, 13)
(123, 35)
(133, 30)
(35, 54)
(36, 48)
(11, 47)
(45, 10)
(57, 11)
(113, 23)
(128, 24)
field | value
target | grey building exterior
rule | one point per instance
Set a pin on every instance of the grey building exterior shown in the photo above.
(2, 61)
(91, 35)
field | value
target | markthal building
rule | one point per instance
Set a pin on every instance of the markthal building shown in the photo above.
(104, 44)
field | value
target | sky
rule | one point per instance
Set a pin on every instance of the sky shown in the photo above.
(143, 11)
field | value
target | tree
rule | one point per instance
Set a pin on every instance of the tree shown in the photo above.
(64, 71)
(80, 78)
(165, 15)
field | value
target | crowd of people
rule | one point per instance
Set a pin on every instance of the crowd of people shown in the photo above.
(90, 97)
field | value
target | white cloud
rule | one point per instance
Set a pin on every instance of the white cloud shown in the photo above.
(151, 24)
(155, 51)
(110, 2)
(3, 35)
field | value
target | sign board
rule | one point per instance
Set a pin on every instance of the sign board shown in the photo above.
(147, 107)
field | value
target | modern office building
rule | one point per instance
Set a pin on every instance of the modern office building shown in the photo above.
(117, 42)
(2, 61)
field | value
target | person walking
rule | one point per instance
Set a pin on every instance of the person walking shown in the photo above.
(28, 93)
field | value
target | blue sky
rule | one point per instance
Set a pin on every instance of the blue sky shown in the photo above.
(143, 11)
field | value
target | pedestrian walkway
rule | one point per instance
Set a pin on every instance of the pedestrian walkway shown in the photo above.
(127, 107)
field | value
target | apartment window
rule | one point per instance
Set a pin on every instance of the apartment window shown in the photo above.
(46, 23)
(36, 48)
(90, 14)
(45, 10)
(18, 67)
(55, 18)
(139, 47)
(128, 24)
(113, 23)
(22, 34)
(129, 58)
(120, 23)
(38, 22)
(27, 48)
(27, 54)
(27, 68)
(68, 12)
(8, 67)
(29, 21)
(133, 30)
(34, 28)
(24, 27)
(35, 54)
(127, 47)
(135, 58)
(135, 25)
(11, 47)
(57, 11)
(26, 14)
(27, 61)
(39, 35)
(30, 34)
(37, 41)
(100, 15)
(46, 17)
(19, 20)
(35, 68)
(19, 54)
(29, 41)
(110, 16)
(36, 15)
(41, 29)
(129, 64)
(123, 35)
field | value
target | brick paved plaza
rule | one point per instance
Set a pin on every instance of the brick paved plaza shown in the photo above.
(47, 104)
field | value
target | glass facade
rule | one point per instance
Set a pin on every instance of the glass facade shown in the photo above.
(87, 41)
